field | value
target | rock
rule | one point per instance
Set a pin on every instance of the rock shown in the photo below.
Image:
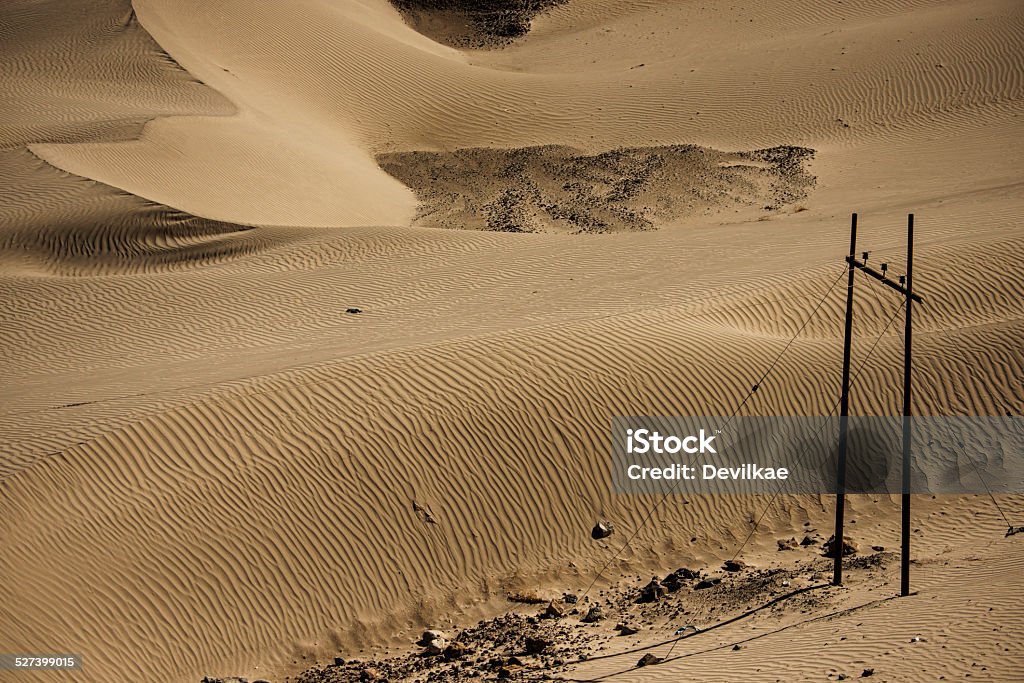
(867, 672)
(841, 677)
(353, 310)
(849, 547)
(672, 583)
(736, 647)
(553, 611)
(504, 674)
(570, 598)
(687, 574)
(788, 543)
(734, 565)
(652, 592)
(429, 635)
(433, 643)
(595, 613)
(455, 650)
(649, 660)
(370, 675)
(707, 583)
(676, 579)
(807, 540)
(878, 548)
(601, 530)
(534, 646)
(626, 629)
(339, 661)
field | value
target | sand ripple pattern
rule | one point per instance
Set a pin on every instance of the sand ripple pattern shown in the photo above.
(208, 466)
(252, 502)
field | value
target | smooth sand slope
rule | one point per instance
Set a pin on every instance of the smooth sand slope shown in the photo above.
(209, 467)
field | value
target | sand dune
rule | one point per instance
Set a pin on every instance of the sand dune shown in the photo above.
(80, 70)
(304, 453)
(210, 467)
(513, 98)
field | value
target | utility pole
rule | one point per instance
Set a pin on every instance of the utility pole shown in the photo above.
(905, 507)
(904, 287)
(844, 413)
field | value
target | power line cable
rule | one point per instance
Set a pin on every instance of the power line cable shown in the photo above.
(803, 454)
(824, 421)
(650, 513)
(820, 617)
(963, 449)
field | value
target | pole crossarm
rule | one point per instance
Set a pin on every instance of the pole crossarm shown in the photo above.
(883, 279)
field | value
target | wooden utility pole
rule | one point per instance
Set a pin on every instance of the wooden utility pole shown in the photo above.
(905, 507)
(844, 413)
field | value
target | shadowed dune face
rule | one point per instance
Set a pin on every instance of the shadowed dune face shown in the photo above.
(559, 189)
(78, 71)
(58, 224)
(472, 23)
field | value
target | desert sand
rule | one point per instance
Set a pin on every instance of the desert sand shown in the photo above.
(210, 467)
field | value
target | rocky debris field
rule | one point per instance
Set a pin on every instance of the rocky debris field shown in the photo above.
(560, 189)
(473, 24)
(544, 641)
